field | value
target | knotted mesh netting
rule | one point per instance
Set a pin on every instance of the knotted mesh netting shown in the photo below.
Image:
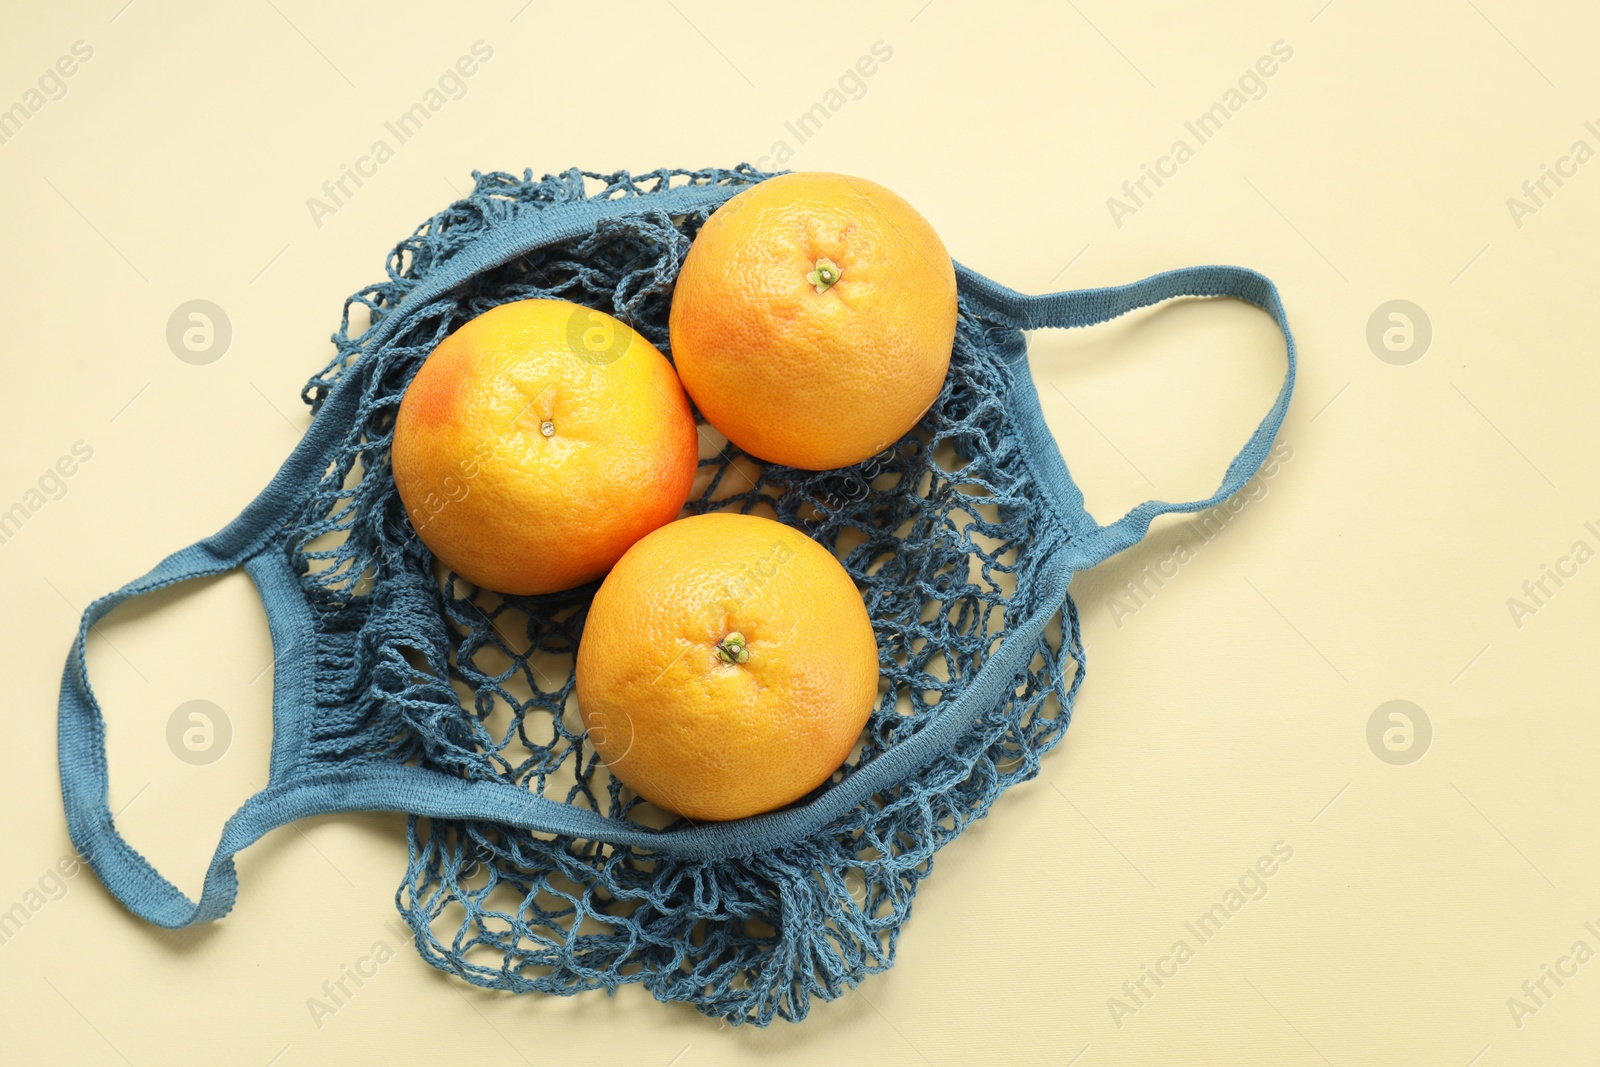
(942, 532)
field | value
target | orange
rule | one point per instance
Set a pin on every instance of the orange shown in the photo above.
(538, 442)
(813, 319)
(727, 666)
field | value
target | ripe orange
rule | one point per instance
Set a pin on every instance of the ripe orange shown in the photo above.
(813, 319)
(727, 666)
(538, 442)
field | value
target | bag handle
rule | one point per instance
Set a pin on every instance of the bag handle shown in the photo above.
(82, 739)
(1091, 542)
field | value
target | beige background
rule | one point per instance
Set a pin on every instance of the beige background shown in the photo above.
(1228, 713)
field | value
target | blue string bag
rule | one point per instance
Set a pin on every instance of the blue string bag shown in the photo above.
(400, 687)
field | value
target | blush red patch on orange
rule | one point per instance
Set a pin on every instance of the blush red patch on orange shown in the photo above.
(435, 392)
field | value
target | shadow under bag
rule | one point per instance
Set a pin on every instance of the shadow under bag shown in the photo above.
(531, 868)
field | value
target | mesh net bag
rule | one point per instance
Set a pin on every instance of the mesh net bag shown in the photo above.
(399, 686)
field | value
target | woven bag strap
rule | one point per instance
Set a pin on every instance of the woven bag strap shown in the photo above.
(1092, 543)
